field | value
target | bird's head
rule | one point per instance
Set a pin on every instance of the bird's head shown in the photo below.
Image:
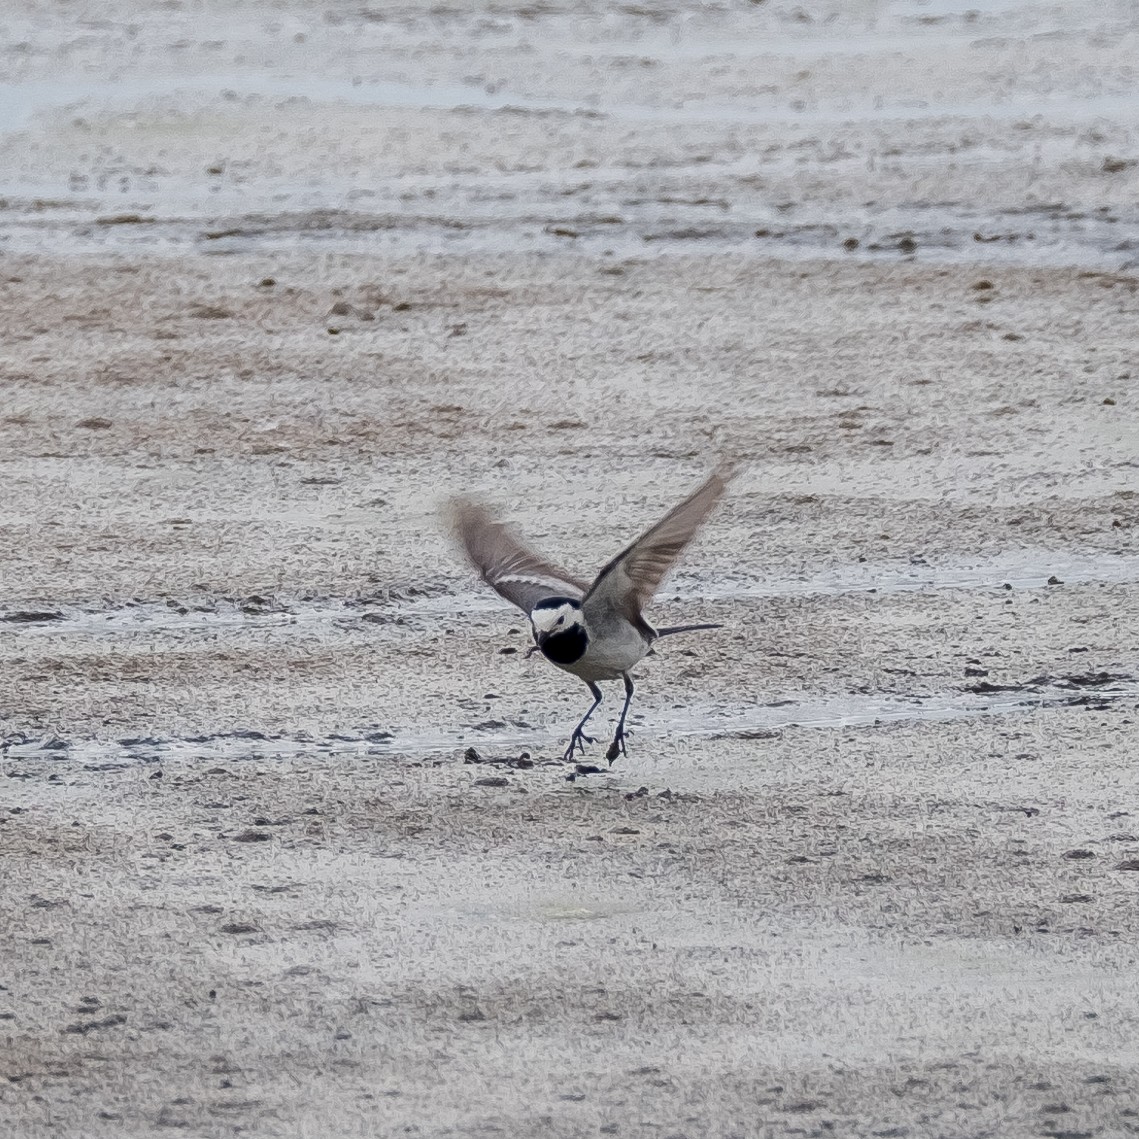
(555, 615)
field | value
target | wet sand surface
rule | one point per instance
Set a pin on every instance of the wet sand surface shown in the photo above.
(288, 846)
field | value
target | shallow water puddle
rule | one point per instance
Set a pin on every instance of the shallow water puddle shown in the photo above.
(1099, 691)
(1022, 570)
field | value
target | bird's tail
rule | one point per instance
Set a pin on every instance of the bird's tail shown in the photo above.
(684, 629)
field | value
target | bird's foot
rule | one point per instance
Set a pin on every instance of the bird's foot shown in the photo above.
(577, 741)
(617, 747)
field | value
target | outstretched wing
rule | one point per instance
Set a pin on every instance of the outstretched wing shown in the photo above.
(507, 566)
(627, 584)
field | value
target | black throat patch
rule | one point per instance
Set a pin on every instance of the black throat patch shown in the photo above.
(566, 647)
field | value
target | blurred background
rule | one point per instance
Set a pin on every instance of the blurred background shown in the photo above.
(864, 129)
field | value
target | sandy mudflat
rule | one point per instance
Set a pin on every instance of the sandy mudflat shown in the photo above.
(274, 283)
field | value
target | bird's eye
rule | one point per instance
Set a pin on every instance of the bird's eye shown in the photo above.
(561, 621)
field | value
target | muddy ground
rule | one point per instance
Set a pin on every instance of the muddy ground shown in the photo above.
(288, 848)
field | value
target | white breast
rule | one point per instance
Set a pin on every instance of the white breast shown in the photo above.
(610, 653)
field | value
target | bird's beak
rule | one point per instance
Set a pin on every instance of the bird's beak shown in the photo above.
(540, 639)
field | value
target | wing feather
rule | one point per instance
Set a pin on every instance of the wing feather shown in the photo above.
(627, 584)
(511, 569)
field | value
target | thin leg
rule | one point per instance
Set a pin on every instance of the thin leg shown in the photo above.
(579, 739)
(617, 747)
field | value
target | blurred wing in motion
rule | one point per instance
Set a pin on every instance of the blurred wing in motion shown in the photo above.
(508, 567)
(627, 584)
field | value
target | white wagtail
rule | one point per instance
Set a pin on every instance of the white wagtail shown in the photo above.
(597, 632)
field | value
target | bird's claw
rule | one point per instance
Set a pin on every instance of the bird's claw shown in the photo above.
(578, 740)
(616, 748)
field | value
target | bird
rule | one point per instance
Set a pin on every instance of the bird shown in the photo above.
(594, 631)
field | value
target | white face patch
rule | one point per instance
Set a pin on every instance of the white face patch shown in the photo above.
(555, 620)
